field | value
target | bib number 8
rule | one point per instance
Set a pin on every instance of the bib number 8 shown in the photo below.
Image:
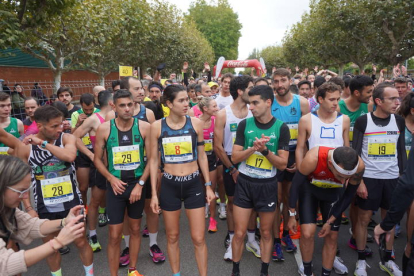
(177, 150)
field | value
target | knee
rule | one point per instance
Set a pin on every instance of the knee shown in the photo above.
(307, 235)
(81, 242)
(363, 220)
(173, 237)
(266, 234)
(198, 240)
(115, 238)
(134, 228)
(239, 235)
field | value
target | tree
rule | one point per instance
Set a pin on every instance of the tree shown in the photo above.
(219, 24)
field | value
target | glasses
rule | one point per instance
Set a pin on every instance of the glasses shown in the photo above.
(21, 193)
(393, 99)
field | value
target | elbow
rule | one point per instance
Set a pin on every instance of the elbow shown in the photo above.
(72, 158)
(234, 159)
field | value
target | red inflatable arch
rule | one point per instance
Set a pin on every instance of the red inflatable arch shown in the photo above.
(242, 64)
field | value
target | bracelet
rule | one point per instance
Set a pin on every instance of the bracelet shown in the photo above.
(62, 223)
(29, 208)
(51, 245)
(230, 168)
(59, 242)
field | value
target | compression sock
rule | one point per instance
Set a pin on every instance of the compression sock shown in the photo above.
(388, 255)
(277, 240)
(177, 274)
(251, 235)
(102, 210)
(361, 255)
(57, 272)
(265, 268)
(307, 268)
(153, 238)
(126, 240)
(405, 260)
(92, 233)
(285, 233)
(326, 272)
(88, 270)
(236, 267)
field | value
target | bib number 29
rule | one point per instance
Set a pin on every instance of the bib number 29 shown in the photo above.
(126, 158)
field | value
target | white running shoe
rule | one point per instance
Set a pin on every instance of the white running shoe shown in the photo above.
(228, 256)
(222, 213)
(339, 266)
(361, 268)
(391, 268)
(254, 247)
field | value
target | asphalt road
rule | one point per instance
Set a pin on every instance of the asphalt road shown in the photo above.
(250, 265)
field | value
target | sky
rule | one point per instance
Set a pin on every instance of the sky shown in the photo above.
(264, 21)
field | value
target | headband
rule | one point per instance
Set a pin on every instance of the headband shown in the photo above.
(155, 85)
(342, 170)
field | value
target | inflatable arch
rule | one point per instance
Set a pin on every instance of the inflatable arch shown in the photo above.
(222, 63)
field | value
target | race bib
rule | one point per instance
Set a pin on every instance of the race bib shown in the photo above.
(293, 129)
(86, 140)
(177, 149)
(259, 165)
(57, 190)
(381, 149)
(351, 133)
(126, 158)
(407, 149)
(233, 130)
(325, 183)
(3, 150)
(208, 146)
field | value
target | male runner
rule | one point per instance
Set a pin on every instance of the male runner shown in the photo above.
(30, 106)
(96, 91)
(320, 181)
(225, 129)
(379, 138)
(288, 108)
(98, 183)
(9, 124)
(65, 95)
(123, 141)
(51, 155)
(261, 147)
(401, 84)
(224, 98)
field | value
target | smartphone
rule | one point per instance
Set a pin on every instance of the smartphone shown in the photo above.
(82, 212)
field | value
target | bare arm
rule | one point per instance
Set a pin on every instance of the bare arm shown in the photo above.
(301, 142)
(67, 153)
(218, 138)
(346, 127)
(81, 131)
(150, 116)
(153, 164)
(304, 106)
(20, 127)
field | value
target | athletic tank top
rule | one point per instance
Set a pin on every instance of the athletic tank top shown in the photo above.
(197, 111)
(257, 165)
(142, 114)
(125, 151)
(93, 137)
(13, 129)
(313, 104)
(379, 149)
(178, 146)
(408, 140)
(363, 109)
(322, 176)
(290, 115)
(323, 134)
(55, 186)
(230, 129)
(208, 134)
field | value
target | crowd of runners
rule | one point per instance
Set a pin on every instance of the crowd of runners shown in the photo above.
(274, 156)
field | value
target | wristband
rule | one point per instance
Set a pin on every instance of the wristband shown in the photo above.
(207, 184)
(230, 168)
(43, 145)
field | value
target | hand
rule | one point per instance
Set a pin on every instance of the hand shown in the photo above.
(297, 68)
(326, 229)
(292, 169)
(362, 191)
(374, 69)
(135, 194)
(274, 69)
(185, 66)
(33, 213)
(82, 117)
(260, 144)
(73, 214)
(404, 70)
(91, 156)
(117, 185)
(234, 175)
(210, 195)
(316, 68)
(206, 67)
(378, 231)
(292, 224)
(155, 207)
(382, 73)
(32, 140)
(72, 231)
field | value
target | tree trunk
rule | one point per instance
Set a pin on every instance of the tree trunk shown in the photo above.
(341, 70)
(57, 76)
(102, 80)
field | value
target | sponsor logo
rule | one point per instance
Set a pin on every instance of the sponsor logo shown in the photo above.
(125, 138)
(293, 111)
(271, 204)
(250, 131)
(12, 131)
(234, 64)
(198, 194)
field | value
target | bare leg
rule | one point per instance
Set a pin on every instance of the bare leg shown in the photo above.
(135, 240)
(329, 250)
(85, 251)
(307, 242)
(230, 222)
(115, 236)
(220, 183)
(53, 261)
(98, 196)
(213, 178)
(390, 242)
(172, 228)
(82, 174)
(152, 218)
(241, 221)
(266, 240)
(364, 217)
(197, 229)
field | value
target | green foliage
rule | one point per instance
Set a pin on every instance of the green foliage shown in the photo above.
(219, 24)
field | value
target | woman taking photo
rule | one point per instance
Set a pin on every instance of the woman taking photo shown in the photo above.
(178, 138)
(20, 227)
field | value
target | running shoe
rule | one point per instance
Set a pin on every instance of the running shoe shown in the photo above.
(253, 247)
(102, 220)
(352, 244)
(319, 220)
(227, 240)
(94, 243)
(156, 254)
(222, 213)
(134, 273)
(228, 256)
(235, 274)
(262, 274)
(64, 250)
(288, 244)
(372, 224)
(339, 266)
(145, 232)
(212, 226)
(301, 270)
(277, 253)
(361, 268)
(391, 268)
(345, 219)
(397, 230)
(124, 259)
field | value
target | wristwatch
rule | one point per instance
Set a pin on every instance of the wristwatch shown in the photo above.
(44, 143)
(265, 152)
(141, 182)
(292, 214)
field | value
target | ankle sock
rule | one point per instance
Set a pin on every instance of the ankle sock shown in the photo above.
(126, 240)
(251, 235)
(231, 235)
(285, 233)
(88, 270)
(236, 267)
(361, 255)
(92, 233)
(307, 268)
(326, 272)
(153, 238)
(277, 240)
(57, 272)
(265, 268)
(388, 255)
(177, 274)
(132, 269)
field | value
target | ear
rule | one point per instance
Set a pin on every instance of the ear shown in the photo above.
(169, 104)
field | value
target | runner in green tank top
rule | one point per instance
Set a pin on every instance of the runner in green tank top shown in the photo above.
(9, 124)
(123, 138)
